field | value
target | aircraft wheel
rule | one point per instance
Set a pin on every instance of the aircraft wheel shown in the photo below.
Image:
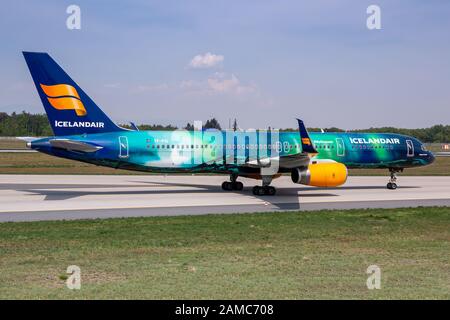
(238, 186)
(226, 186)
(264, 191)
(391, 186)
(271, 191)
(255, 190)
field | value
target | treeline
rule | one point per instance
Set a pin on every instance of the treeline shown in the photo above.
(24, 124)
(27, 124)
(437, 133)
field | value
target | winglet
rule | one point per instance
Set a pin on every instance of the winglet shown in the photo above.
(307, 145)
(134, 126)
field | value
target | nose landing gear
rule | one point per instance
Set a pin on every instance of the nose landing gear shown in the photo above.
(392, 184)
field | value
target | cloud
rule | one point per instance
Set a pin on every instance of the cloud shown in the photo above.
(151, 88)
(219, 83)
(208, 60)
(222, 84)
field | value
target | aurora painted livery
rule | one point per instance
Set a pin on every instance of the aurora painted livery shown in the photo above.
(84, 133)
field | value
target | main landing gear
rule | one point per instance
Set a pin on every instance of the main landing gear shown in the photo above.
(233, 184)
(266, 189)
(392, 184)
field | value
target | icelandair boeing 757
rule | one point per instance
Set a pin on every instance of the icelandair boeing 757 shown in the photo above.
(84, 133)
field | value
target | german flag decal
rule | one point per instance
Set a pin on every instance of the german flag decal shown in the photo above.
(64, 97)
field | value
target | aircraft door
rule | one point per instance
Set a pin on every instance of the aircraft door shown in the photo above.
(340, 147)
(409, 148)
(123, 147)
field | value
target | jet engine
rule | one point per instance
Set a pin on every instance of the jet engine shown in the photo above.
(325, 174)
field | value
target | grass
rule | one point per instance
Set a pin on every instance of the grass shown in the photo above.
(12, 144)
(322, 254)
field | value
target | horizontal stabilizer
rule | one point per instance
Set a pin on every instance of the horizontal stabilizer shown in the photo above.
(72, 145)
(442, 154)
(27, 139)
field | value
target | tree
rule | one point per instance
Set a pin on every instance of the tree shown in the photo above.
(235, 125)
(212, 124)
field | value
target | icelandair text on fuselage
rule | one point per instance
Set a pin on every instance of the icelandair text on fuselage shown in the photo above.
(79, 124)
(374, 141)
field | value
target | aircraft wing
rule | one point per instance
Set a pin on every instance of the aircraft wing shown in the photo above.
(73, 145)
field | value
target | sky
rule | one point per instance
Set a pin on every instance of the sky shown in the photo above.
(262, 62)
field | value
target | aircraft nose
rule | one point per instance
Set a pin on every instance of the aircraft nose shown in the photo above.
(431, 157)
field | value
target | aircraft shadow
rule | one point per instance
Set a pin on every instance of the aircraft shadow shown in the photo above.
(285, 199)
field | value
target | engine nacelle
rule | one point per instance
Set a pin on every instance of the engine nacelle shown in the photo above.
(325, 174)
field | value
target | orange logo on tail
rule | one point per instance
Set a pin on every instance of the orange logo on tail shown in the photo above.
(64, 97)
(306, 141)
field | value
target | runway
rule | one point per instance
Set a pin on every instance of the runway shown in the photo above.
(57, 197)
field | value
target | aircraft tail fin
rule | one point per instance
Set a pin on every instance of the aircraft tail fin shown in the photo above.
(69, 109)
(305, 139)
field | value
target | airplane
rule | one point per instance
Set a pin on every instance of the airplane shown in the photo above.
(83, 132)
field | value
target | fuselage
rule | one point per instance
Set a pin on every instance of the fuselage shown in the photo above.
(225, 152)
